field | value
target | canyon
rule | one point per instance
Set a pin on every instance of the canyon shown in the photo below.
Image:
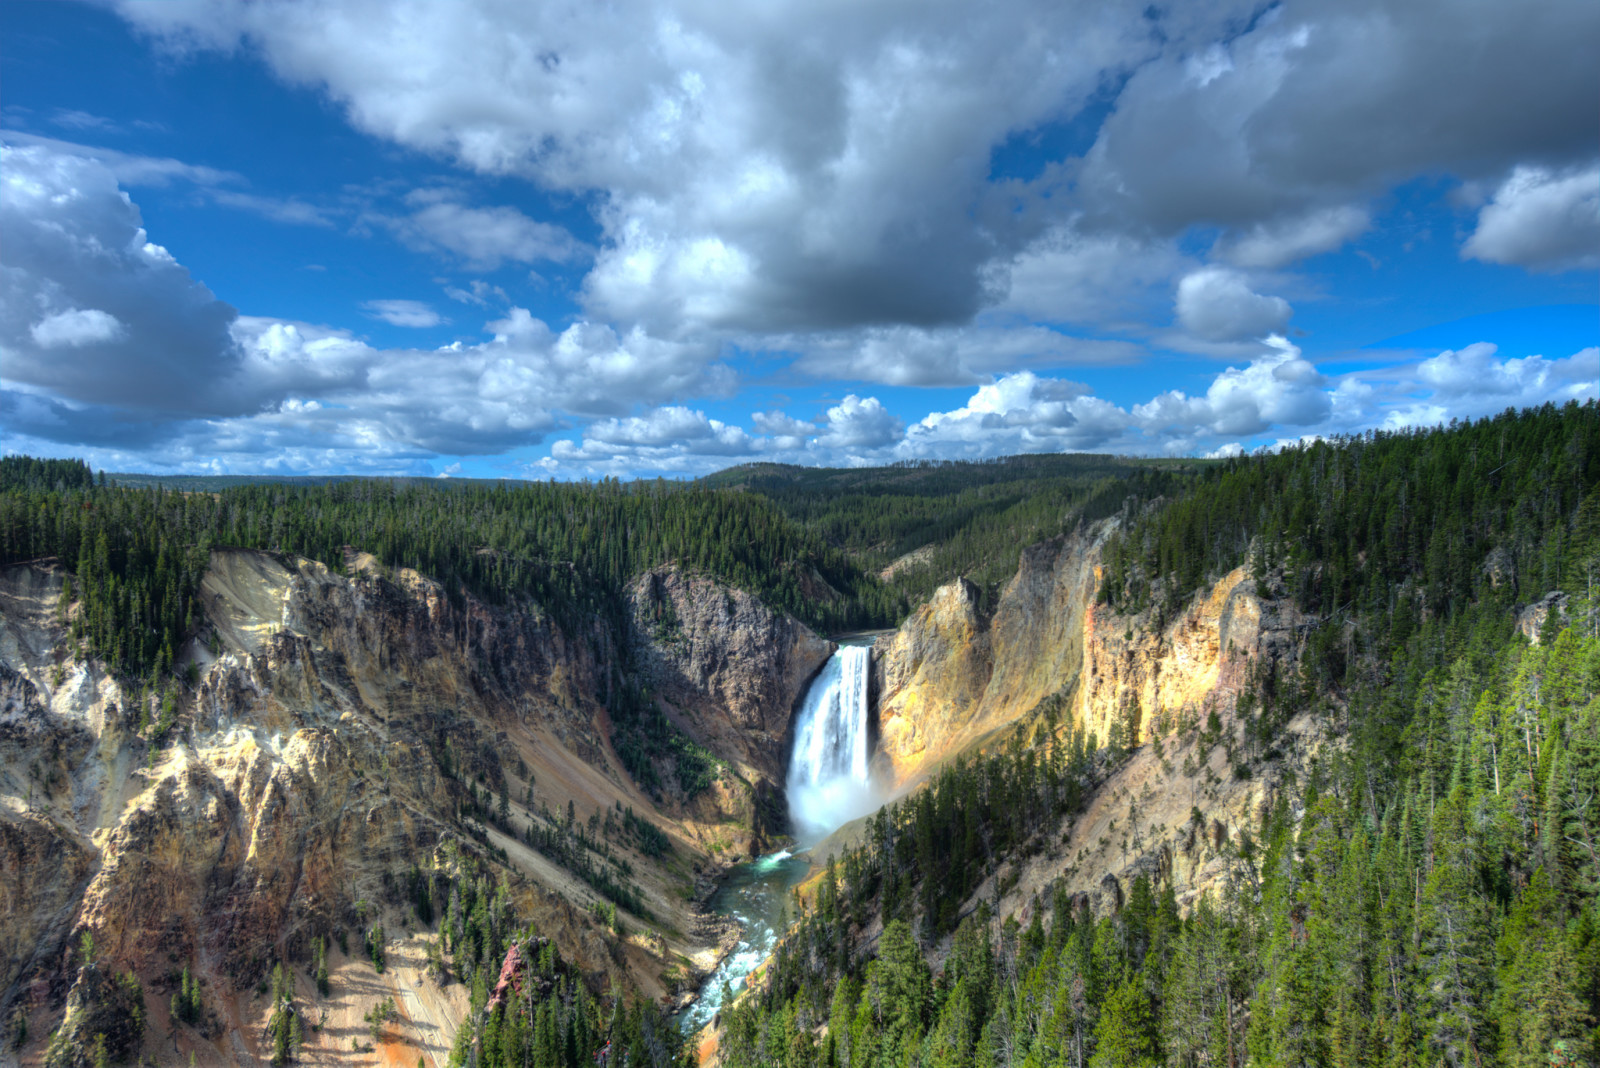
(334, 729)
(337, 726)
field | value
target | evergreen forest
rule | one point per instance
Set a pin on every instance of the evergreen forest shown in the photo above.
(1424, 891)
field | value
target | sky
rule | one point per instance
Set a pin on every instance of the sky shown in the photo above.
(493, 238)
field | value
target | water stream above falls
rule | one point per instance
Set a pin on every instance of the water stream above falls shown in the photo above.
(828, 786)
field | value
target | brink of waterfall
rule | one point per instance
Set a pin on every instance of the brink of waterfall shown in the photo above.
(828, 780)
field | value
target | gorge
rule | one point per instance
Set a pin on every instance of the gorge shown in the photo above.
(248, 789)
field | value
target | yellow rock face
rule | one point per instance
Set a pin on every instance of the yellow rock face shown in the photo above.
(952, 674)
(953, 677)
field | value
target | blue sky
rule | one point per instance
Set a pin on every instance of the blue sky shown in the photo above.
(302, 236)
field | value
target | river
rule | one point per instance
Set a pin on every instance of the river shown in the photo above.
(828, 785)
(756, 894)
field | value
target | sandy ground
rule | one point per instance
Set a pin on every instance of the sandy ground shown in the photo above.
(426, 1027)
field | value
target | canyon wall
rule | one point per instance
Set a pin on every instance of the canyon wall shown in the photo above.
(954, 678)
(331, 732)
(731, 668)
(952, 673)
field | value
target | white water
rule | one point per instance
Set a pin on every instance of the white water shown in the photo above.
(756, 895)
(828, 786)
(828, 781)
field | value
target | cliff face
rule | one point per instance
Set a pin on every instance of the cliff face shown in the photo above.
(951, 674)
(334, 729)
(731, 668)
(953, 677)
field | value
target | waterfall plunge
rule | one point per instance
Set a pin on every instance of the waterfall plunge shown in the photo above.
(828, 781)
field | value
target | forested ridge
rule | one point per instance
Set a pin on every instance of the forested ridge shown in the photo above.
(960, 518)
(569, 547)
(1424, 891)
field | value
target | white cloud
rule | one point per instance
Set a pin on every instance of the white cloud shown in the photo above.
(79, 271)
(1216, 304)
(1100, 279)
(805, 167)
(1278, 243)
(478, 293)
(1280, 389)
(409, 313)
(949, 356)
(854, 423)
(128, 168)
(1474, 374)
(1331, 101)
(278, 209)
(818, 169)
(108, 342)
(76, 327)
(74, 119)
(1541, 219)
(484, 238)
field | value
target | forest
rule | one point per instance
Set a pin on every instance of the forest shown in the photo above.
(1425, 892)
(944, 519)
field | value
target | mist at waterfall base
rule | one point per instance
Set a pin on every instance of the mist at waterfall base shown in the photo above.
(829, 784)
(828, 787)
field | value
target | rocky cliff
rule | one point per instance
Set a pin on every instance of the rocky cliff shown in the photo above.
(1048, 655)
(953, 674)
(732, 668)
(336, 731)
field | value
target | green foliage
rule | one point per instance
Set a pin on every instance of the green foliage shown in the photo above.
(319, 964)
(187, 1006)
(375, 940)
(284, 1027)
(1429, 894)
(384, 1012)
(550, 1018)
(960, 518)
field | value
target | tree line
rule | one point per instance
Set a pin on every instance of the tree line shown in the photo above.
(1424, 890)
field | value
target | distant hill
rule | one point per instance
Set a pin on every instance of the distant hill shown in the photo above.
(215, 483)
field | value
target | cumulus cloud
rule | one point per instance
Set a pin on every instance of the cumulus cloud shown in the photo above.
(1216, 304)
(1280, 389)
(1471, 381)
(1277, 399)
(80, 272)
(951, 356)
(807, 168)
(409, 313)
(477, 293)
(1327, 99)
(107, 341)
(854, 423)
(824, 169)
(76, 327)
(1101, 279)
(1541, 219)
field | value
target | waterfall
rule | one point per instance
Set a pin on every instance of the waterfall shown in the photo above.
(828, 781)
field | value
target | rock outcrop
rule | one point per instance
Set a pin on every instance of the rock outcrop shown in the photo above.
(333, 731)
(952, 673)
(731, 667)
(954, 677)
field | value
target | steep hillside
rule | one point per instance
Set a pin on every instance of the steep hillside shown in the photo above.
(346, 752)
(954, 672)
(1318, 782)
